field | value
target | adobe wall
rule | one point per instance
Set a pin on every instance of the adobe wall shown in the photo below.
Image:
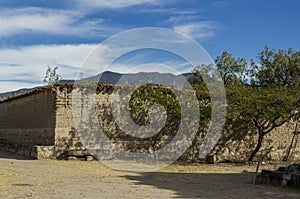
(236, 143)
(27, 124)
(65, 119)
(29, 119)
(46, 119)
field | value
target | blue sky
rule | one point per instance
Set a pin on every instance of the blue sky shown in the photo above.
(37, 33)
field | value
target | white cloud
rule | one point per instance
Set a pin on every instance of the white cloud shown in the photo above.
(220, 4)
(50, 21)
(191, 25)
(197, 30)
(173, 11)
(25, 67)
(21, 21)
(113, 4)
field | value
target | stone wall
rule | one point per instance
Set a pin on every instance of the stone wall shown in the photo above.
(29, 119)
(239, 144)
(236, 143)
(46, 118)
(27, 124)
(30, 151)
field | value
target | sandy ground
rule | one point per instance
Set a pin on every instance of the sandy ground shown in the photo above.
(22, 178)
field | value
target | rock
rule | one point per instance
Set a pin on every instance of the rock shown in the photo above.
(89, 158)
(72, 158)
(211, 159)
(283, 176)
(246, 170)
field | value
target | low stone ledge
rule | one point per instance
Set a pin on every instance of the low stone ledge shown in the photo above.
(30, 151)
(45, 152)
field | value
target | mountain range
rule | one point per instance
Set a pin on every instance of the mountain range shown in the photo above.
(109, 77)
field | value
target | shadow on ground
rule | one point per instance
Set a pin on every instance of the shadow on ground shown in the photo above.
(196, 185)
(9, 155)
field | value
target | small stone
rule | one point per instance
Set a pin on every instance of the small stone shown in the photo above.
(246, 170)
(72, 158)
(89, 158)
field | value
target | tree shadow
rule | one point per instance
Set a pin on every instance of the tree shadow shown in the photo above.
(211, 185)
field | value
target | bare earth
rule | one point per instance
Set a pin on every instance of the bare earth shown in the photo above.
(22, 178)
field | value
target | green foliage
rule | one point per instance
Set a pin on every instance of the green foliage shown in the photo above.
(146, 96)
(203, 97)
(263, 108)
(51, 76)
(196, 77)
(276, 67)
(272, 100)
(202, 73)
(231, 69)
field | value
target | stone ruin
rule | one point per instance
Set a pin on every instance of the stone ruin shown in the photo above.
(283, 176)
(40, 124)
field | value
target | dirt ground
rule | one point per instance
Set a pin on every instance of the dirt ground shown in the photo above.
(23, 178)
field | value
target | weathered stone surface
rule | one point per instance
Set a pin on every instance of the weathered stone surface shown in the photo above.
(89, 158)
(211, 159)
(72, 158)
(46, 118)
(283, 176)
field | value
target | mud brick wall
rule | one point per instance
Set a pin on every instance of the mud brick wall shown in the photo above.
(65, 115)
(236, 143)
(46, 118)
(64, 118)
(275, 145)
(29, 119)
(238, 140)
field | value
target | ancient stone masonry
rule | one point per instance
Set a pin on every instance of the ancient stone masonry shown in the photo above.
(283, 176)
(27, 123)
(41, 124)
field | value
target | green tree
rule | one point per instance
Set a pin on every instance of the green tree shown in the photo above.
(273, 99)
(276, 67)
(265, 105)
(197, 73)
(204, 73)
(51, 76)
(230, 68)
(263, 108)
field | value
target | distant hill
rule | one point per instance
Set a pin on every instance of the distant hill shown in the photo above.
(106, 77)
(14, 93)
(109, 77)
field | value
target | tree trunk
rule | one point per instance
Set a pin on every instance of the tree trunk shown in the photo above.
(291, 145)
(259, 143)
(289, 149)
